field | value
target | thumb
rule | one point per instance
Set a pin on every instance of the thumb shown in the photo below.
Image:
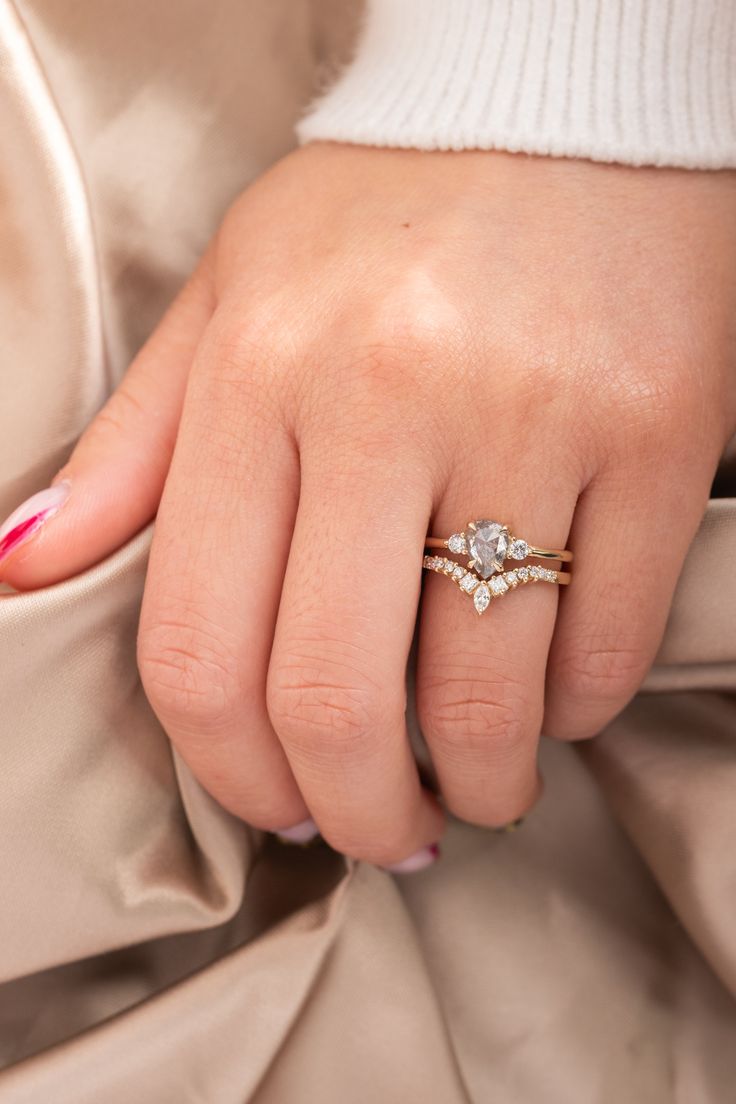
(111, 485)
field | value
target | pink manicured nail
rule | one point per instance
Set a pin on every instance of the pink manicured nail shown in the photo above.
(420, 860)
(303, 832)
(30, 516)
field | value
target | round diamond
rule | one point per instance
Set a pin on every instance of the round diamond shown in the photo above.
(457, 544)
(488, 545)
(518, 550)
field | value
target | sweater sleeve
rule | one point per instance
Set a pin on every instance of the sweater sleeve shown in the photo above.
(642, 82)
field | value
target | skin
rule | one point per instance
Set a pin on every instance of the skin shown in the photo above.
(380, 344)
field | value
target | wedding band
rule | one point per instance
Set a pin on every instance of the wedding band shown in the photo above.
(488, 544)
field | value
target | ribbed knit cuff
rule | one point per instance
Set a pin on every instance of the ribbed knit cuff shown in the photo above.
(644, 82)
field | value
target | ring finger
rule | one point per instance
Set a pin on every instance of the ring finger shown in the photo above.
(480, 680)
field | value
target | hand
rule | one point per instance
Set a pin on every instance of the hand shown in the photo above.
(379, 344)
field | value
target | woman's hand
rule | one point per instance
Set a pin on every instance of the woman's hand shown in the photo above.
(379, 343)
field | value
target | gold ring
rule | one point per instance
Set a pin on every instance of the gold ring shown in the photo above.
(488, 544)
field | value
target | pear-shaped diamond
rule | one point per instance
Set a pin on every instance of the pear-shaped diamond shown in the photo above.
(488, 543)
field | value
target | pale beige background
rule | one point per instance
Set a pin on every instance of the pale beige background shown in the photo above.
(151, 948)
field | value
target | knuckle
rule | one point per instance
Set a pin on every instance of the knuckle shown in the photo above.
(242, 362)
(322, 714)
(481, 731)
(397, 355)
(371, 382)
(242, 338)
(412, 335)
(602, 670)
(416, 318)
(652, 407)
(122, 414)
(470, 718)
(187, 674)
(237, 394)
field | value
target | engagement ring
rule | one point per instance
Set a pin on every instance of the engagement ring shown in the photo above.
(488, 544)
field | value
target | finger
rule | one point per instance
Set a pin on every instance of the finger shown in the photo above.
(631, 533)
(337, 681)
(480, 679)
(111, 485)
(214, 579)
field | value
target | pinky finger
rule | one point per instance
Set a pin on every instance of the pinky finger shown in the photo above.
(612, 618)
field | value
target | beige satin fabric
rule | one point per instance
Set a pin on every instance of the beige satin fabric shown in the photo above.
(151, 947)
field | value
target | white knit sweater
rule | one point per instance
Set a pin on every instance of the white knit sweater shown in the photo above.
(644, 82)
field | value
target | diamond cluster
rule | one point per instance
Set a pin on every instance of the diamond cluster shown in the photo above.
(488, 544)
(483, 592)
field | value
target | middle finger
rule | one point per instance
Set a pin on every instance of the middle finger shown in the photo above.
(337, 680)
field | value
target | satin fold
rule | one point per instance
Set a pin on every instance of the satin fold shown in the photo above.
(154, 949)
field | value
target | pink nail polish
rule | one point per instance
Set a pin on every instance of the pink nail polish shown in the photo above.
(420, 860)
(30, 516)
(303, 832)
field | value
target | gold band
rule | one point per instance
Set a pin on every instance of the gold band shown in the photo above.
(563, 554)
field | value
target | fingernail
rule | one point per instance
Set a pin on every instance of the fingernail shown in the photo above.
(30, 516)
(420, 860)
(299, 833)
(511, 826)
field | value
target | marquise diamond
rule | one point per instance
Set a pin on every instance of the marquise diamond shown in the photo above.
(482, 598)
